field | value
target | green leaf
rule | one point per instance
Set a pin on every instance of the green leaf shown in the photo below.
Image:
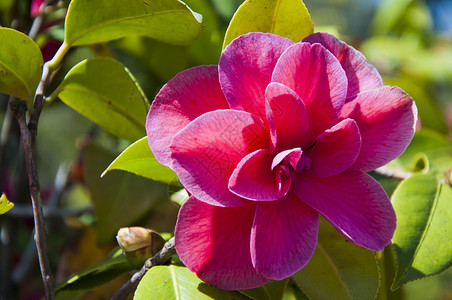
(273, 290)
(339, 269)
(138, 159)
(424, 218)
(180, 197)
(117, 193)
(5, 204)
(175, 282)
(108, 269)
(105, 92)
(20, 64)
(91, 22)
(287, 18)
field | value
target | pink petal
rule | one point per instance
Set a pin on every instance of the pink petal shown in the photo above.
(284, 236)
(335, 150)
(214, 242)
(289, 114)
(206, 152)
(354, 203)
(254, 178)
(318, 79)
(185, 97)
(386, 118)
(361, 75)
(245, 69)
(292, 156)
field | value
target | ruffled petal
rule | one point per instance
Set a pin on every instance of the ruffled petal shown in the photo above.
(254, 178)
(386, 118)
(185, 97)
(354, 203)
(335, 150)
(283, 237)
(245, 69)
(318, 79)
(214, 242)
(362, 75)
(289, 115)
(206, 152)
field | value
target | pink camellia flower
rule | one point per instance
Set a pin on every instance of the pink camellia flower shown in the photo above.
(276, 134)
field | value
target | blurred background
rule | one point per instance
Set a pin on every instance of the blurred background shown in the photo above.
(409, 41)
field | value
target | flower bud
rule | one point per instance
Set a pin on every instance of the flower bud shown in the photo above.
(138, 244)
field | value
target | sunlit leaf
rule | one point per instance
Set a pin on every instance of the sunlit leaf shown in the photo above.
(175, 282)
(119, 199)
(5, 204)
(180, 197)
(138, 159)
(20, 64)
(105, 92)
(171, 21)
(424, 218)
(108, 269)
(339, 269)
(288, 18)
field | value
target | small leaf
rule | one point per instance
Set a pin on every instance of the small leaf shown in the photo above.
(339, 269)
(20, 64)
(180, 197)
(175, 282)
(287, 18)
(91, 22)
(5, 204)
(108, 269)
(138, 159)
(104, 91)
(424, 218)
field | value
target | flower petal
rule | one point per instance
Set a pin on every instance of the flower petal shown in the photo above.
(335, 150)
(206, 152)
(254, 178)
(361, 74)
(386, 118)
(354, 203)
(214, 242)
(283, 237)
(318, 79)
(245, 69)
(289, 114)
(185, 97)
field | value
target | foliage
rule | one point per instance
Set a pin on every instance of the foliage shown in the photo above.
(115, 55)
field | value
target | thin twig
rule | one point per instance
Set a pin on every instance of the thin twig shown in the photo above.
(393, 172)
(158, 259)
(28, 137)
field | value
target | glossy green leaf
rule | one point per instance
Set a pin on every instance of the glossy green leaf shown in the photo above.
(117, 192)
(171, 21)
(180, 197)
(105, 92)
(288, 18)
(176, 282)
(138, 159)
(20, 64)
(272, 290)
(108, 269)
(5, 204)
(339, 269)
(422, 240)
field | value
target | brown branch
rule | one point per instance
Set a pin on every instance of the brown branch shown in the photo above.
(28, 137)
(158, 259)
